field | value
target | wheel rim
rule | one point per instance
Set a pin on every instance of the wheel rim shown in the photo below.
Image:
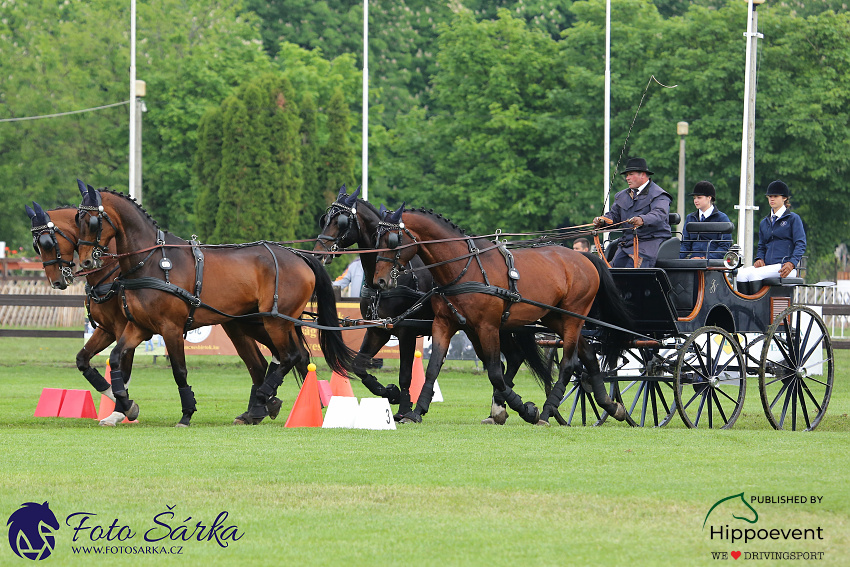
(797, 370)
(710, 379)
(647, 402)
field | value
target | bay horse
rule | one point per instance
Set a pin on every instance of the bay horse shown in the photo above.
(55, 237)
(169, 286)
(350, 220)
(484, 288)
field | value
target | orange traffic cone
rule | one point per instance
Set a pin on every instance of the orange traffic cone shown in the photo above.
(418, 378)
(107, 406)
(307, 410)
(340, 386)
(324, 392)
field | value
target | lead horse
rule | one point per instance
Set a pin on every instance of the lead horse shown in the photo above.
(55, 236)
(169, 286)
(483, 288)
(349, 221)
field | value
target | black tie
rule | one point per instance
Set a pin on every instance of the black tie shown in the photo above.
(701, 218)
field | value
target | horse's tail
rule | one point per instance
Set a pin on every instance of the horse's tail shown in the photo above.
(534, 358)
(610, 308)
(301, 369)
(337, 354)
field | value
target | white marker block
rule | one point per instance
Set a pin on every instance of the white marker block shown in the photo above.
(374, 413)
(342, 411)
(438, 395)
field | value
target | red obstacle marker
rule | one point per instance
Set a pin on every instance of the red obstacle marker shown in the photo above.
(340, 386)
(307, 410)
(49, 402)
(78, 403)
(325, 392)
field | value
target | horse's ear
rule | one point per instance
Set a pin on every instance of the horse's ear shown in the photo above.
(92, 194)
(30, 212)
(382, 211)
(395, 218)
(38, 210)
(356, 193)
(82, 187)
(342, 192)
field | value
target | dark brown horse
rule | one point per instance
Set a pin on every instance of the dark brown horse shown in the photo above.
(484, 288)
(55, 236)
(169, 286)
(351, 221)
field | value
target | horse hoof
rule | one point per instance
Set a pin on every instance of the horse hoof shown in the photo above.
(498, 413)
(411, 417)
(488, 421)
(620, 414)
(274, 405)
(246, 419)
(133, 414)
(392, 394)
(398, 417)
(543, 423)
(178, 424)
(532, 413)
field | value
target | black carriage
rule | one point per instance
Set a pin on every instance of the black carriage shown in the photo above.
(700, 340)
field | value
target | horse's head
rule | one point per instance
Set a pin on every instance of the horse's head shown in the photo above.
(31, 530)
(394, 235)
(55, 242)
(94, 233)
(340, 225)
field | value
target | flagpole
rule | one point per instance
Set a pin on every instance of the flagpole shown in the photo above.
(365, 158)
(132, 179)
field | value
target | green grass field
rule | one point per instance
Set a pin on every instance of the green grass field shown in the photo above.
(447, 492)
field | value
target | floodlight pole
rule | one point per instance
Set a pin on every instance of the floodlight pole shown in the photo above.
(682, 131)
(745, 199)
(365, 158)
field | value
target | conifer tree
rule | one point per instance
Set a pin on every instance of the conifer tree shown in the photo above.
(207, 166)
(337, 157)
(313, 197)
(232, 176)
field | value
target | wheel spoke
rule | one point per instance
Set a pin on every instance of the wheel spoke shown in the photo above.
(811, 397)
(719, 406)
(699, 409)
(779, 394)
(802, 397)
(789, 393)
(731, 399)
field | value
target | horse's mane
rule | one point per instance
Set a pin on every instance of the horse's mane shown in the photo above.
(430, 212)
(62, 207)
(131, 200)
(370, 206)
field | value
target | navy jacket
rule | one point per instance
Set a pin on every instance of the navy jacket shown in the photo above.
(697, 243)
(785, 241)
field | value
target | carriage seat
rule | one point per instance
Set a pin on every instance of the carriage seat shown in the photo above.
(673, 219)
(668, 254)
(783, 281)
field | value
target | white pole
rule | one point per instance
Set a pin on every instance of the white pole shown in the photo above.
(606, 145)
(745, 197)
(365, 181)
(132, 179)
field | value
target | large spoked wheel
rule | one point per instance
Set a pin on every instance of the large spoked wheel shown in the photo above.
(577, 407)
(797, 370)
(711, 379)
(645, 387)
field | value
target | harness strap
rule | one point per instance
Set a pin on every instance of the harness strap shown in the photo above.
(199, 282)
(513, 277)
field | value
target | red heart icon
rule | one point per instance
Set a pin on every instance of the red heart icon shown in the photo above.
(735, 554)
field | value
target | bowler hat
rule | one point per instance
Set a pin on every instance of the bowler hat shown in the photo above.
(777, 188)
(636, 164)
(705, 189)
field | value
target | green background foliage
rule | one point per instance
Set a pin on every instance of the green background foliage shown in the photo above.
(491, 112)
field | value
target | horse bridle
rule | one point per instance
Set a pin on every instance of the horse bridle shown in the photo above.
(395, 239)
(95, 225)
(344, 215)
(44, 238)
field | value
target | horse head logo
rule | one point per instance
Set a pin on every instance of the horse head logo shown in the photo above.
(31, 530)
(749, 513)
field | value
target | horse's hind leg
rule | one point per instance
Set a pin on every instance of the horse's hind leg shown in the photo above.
(174, 343)
(373, 340)
(246, 348)
(569, 364)
(513, 357)
(597, 384)
(284, 340)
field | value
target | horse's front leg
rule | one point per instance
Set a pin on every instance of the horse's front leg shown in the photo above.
(99, 340)
(373, 340)
(119, 359)
(597, 382)
(487, 346)
(442, 333)
(406, 355)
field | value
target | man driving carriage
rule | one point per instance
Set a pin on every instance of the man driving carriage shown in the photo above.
(646, 207)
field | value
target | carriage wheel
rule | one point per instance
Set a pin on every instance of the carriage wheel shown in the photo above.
(711, 379)
(647, 402)
(577, 406)
(797, 369)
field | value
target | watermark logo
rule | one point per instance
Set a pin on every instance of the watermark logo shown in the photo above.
(731, 506)
(31, 530)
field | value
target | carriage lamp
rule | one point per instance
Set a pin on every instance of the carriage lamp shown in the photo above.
(732, 258)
